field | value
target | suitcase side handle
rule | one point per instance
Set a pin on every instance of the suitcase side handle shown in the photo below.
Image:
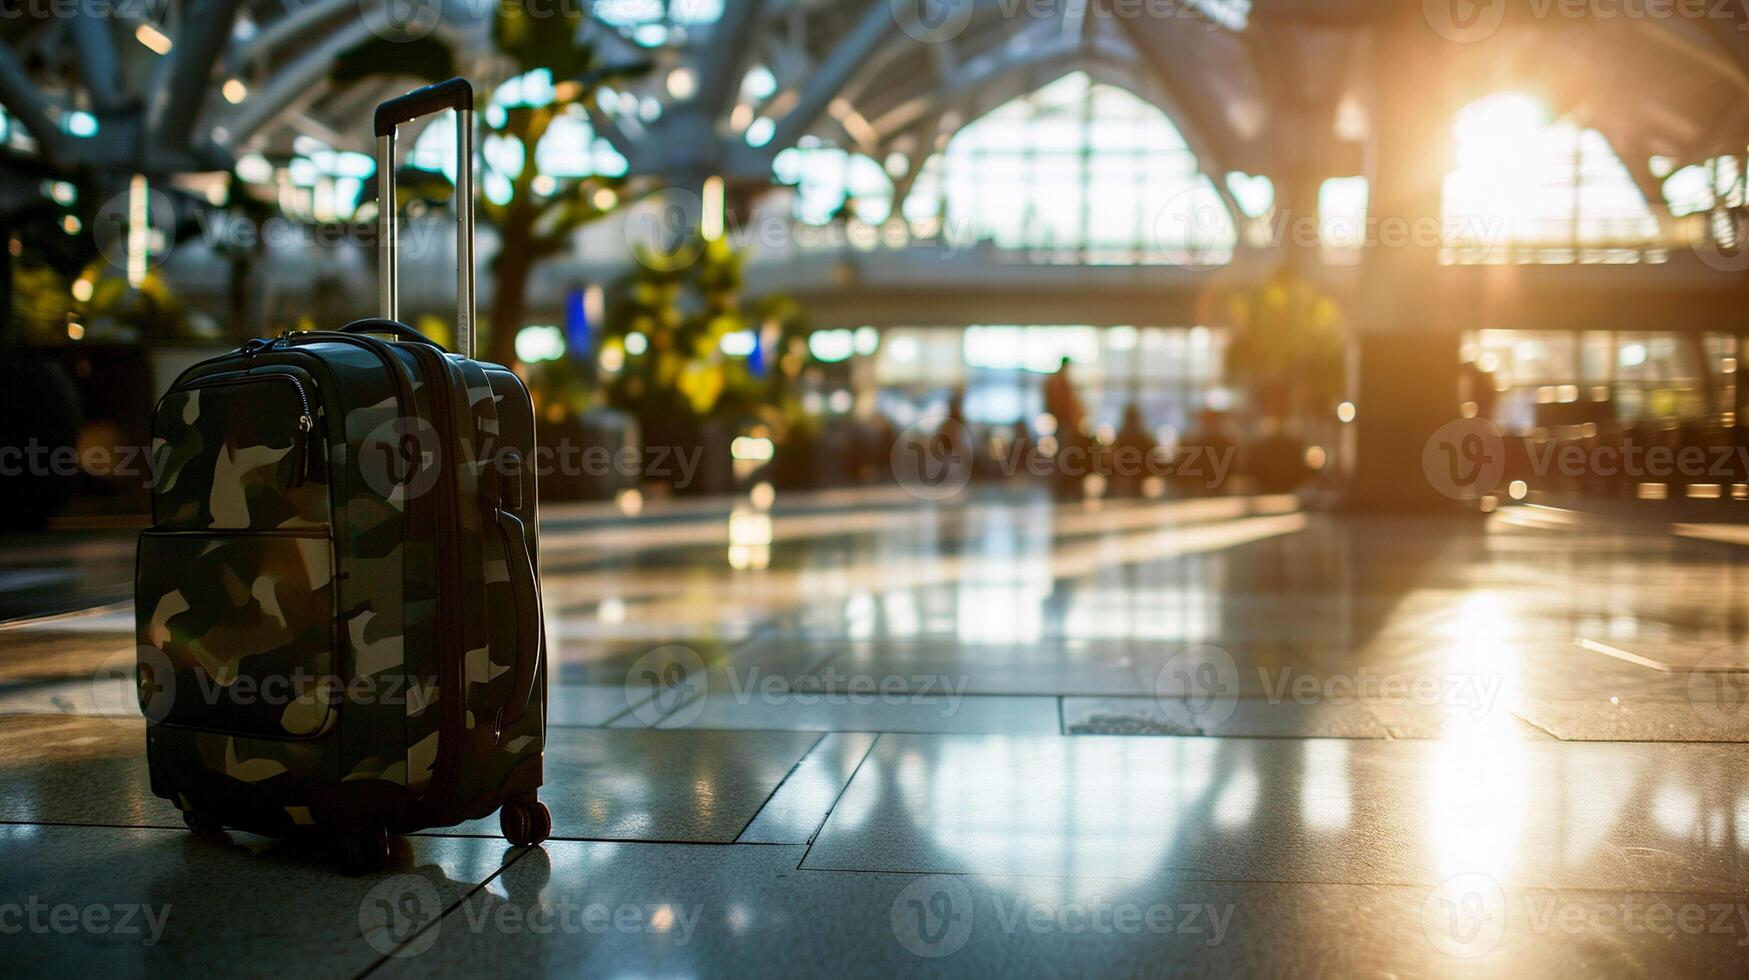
(455, 94)
(530, 633)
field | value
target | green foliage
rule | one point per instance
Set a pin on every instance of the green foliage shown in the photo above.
(684, 310)
(43, 306)
(1289, 346)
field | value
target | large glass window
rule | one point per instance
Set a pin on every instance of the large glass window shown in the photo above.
(1075, 172)
(1170, 373)
(1531, 188)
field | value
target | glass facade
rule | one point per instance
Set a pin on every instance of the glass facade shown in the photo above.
(1531, 188)
(1170, 373)
(1077, 171)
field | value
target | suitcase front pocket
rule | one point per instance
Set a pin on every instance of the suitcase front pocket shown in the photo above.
(236, 632)
(240, 452)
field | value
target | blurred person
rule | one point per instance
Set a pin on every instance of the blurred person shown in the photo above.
(1205, 455)
(1073, 457)
(1133, 454)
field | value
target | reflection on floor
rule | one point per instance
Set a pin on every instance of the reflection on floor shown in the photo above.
(998, 736)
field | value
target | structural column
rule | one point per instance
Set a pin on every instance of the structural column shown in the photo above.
(1404, 377)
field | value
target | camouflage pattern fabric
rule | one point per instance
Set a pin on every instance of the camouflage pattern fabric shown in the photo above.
(279, 553)
(235, 453)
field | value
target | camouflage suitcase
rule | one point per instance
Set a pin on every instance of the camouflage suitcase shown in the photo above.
(338, 602)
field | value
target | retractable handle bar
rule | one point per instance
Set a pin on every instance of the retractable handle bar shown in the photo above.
(455, 94)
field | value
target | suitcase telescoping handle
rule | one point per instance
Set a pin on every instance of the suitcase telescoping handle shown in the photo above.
(454, 94)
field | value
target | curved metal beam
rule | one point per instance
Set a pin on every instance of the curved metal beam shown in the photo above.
(873, 28)
(179, 90)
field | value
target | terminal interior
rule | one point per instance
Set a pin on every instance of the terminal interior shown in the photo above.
(1210, 487)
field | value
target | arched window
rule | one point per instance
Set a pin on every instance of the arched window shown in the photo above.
(1082, 171)
(1075, 172)
(1530, 188)
(831, 182)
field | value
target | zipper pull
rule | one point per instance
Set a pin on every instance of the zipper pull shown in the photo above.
(301, 465)
(254, 347)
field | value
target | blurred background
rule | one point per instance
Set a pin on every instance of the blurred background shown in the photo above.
(793, 237)
(1306, 432)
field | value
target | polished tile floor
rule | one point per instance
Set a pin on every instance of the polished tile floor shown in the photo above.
(857, 735)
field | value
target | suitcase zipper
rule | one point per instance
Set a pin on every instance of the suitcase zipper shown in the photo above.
(449, 745)
(306, 422)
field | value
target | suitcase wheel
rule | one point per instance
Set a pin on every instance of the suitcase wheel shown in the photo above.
(200, 823)
(364, 853)
(525, 822)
